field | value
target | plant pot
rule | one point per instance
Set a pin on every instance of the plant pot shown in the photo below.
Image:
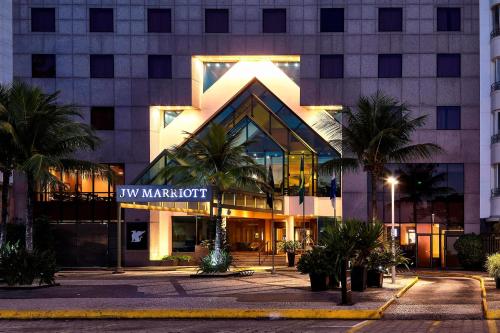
(497, 282)
(375, 278)
(358, 278)
(318, 282)
(199, 253)
(333, 282)
(291, 259)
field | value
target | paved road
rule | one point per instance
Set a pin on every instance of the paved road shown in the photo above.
(439, 298)
(246, 326)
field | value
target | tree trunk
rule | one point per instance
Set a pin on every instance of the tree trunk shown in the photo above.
(5, 205)
(373, 197)
(218, 228)
(30, 198)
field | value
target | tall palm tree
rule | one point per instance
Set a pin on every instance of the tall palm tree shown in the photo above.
(6, 163)
(378, 132)
(217, 159)
(419, 182)
(45, 135)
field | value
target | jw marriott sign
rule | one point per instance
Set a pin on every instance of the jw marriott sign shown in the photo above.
(161, 193)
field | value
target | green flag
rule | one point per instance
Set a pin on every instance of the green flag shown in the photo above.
(302, 182)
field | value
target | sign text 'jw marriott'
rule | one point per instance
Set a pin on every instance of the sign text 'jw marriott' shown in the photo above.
(159, 193)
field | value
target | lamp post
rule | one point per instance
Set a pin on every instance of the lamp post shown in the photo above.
(393, 182)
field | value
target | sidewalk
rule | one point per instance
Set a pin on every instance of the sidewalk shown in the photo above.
(287, 290)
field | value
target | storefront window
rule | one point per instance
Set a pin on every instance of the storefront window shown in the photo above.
(188, 231)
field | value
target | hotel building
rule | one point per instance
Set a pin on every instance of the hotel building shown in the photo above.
(143, 72)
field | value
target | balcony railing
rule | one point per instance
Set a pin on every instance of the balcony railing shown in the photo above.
(495, 33)
(495, 138)
(495, 192)
(495, 86)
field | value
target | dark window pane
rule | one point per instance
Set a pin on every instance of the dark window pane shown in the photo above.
(390, 19)
(389, 65)
(448, 65)
(274, 20)
(102, 117)
(332, 20)
(216, 20)
(43, 65)
(101, 19)
(43, 19)
(160, 66)
(102, 66)
(331, 66)
(448, 117)
(159, 20)
(448, 19)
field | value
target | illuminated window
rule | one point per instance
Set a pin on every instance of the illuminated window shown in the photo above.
(169, 116)
(213, 71)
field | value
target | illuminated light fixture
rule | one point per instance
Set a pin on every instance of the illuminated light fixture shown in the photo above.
(236, 58)
(217, 65)
(286, 64)
(323, 107)
(227, 65)
(296, 64)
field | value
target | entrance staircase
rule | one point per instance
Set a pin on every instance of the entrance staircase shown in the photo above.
(251, 258)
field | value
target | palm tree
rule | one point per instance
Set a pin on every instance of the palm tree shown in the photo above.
(420, 181)
(45, 135)
(377, 133)
(217, 159)
(6, 163)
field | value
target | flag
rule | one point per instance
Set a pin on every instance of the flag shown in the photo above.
(333, 190)
(302, 182)
(270, 190)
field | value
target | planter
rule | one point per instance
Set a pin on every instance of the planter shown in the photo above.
(291, 258)
(169, 262)
(497, 282)
(358, 278)
(318, 282)
(375, 278)
(199, 253)
(184, 263)
(333, 282)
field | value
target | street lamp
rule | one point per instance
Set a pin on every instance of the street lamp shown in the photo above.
(393, 182)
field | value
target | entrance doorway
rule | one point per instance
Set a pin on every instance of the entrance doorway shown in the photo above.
(245, 234)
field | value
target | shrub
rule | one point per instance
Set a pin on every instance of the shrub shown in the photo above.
(470, 251)
(493, 265)
(216, 262)
(17, 266)
(315, 262)
(289, 246)
(382, 258)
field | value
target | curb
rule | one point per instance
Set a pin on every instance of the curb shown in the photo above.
(217, 313)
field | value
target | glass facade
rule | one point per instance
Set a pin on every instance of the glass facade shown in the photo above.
(188, 231)
(279, 139)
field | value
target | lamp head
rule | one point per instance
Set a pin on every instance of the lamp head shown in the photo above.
(392, 180)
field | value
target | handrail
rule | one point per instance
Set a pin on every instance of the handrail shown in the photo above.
(261, 246)
(495, 32)
(495, 86)
(495, 138)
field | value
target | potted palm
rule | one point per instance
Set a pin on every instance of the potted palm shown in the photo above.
(369, 238)
(315, 263)
(289, 247)
(493, 267)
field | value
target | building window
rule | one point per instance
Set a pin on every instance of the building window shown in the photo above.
(43, 65)
(448, 65)
(331, 66)
(102, 66)
(101, 19)
(390, 19)
(448, 19)
(159, 20)
(160, 66)
(102, 118)
(332, 20)
(274, 20)
(169, 116)
(448, 117)
(495, 21)
(390, 65)
(43, 19)
(217, 20)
